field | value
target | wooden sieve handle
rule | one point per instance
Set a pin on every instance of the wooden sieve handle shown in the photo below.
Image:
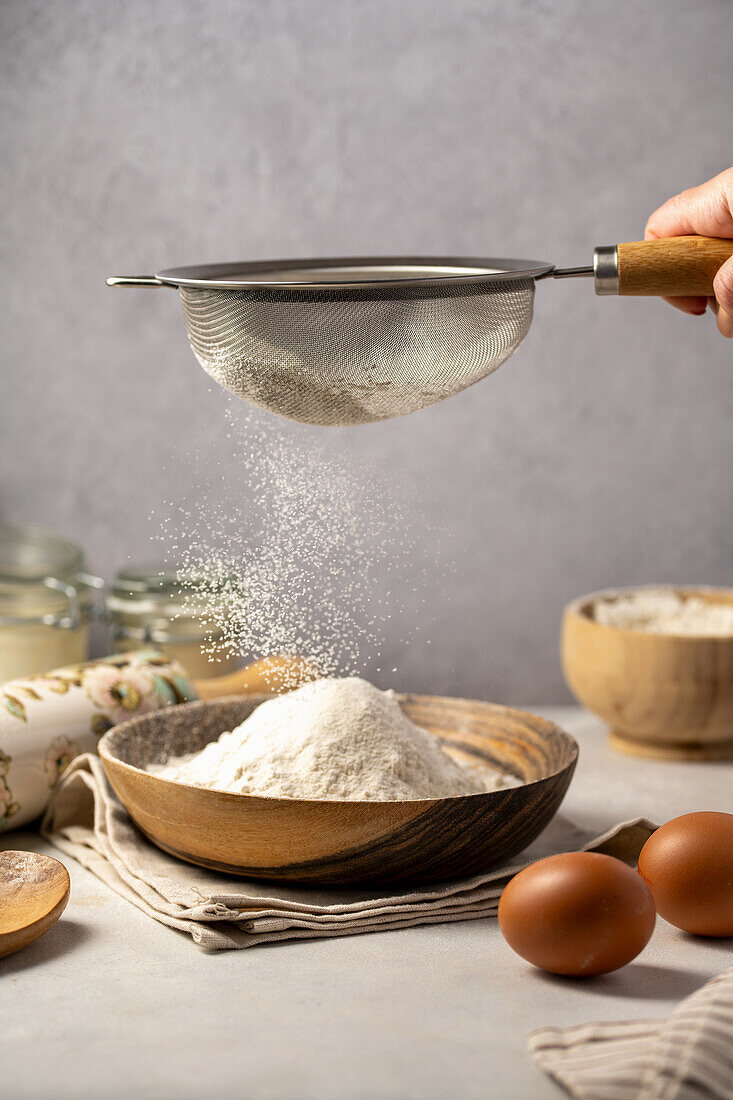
(671, 266)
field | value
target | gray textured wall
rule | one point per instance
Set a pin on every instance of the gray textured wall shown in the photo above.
(142, 135)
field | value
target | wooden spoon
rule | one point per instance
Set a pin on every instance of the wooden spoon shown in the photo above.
(34, 890)
(271, 674)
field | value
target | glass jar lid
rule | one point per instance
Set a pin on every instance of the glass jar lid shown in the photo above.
(30, 553)
(149, 602)
(42, 577)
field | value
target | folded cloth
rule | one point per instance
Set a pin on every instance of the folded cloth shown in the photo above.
(85, 820)
(688, 1055)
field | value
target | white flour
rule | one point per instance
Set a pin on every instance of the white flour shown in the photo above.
(20, 870)
(664, 611)
(331, 739)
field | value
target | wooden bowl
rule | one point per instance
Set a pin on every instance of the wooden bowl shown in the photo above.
(662, 695)
(321, 841)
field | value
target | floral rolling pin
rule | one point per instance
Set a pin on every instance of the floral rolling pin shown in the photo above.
(45, 721)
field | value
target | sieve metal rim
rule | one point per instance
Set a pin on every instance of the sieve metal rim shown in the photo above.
(371, 273)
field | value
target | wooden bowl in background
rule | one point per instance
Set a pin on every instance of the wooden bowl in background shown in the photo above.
(662, 695)
(321, 841)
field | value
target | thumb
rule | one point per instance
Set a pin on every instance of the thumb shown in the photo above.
(723, 290)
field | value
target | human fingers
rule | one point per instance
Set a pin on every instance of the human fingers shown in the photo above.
(694, 306)
(723, 289)
(706, 210)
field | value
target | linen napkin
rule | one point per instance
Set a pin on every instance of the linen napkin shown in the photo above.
(690, 1054)
(85, 820)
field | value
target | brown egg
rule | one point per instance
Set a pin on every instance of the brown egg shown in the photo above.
(581, 913)
(688, 866)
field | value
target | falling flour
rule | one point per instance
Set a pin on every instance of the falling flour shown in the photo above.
(664, 611)
(286, 545)
(331, 739)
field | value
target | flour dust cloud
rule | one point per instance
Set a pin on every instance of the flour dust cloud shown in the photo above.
(289, 546)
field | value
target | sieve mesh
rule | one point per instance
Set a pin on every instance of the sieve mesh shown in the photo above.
(338, 357)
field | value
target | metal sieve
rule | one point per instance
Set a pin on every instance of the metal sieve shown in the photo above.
(349, 341)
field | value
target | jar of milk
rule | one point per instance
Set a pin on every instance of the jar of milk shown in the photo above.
(147, 606)
(46, 601)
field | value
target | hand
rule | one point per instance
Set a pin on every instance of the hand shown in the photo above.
(706, 210)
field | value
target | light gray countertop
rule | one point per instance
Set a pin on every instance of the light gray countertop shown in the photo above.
(112, 1004)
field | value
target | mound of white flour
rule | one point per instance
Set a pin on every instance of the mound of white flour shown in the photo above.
(664, 611)
(331, 739)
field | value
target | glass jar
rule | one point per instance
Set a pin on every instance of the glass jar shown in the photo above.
(146, 605)
(46, 601)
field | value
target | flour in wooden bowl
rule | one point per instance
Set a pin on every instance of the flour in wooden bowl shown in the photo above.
(331, 739)
(665, 611)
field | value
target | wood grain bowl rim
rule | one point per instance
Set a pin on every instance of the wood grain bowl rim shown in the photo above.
(566, 740)
(579, 608)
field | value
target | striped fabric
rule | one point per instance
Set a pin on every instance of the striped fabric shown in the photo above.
(686, 1057)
